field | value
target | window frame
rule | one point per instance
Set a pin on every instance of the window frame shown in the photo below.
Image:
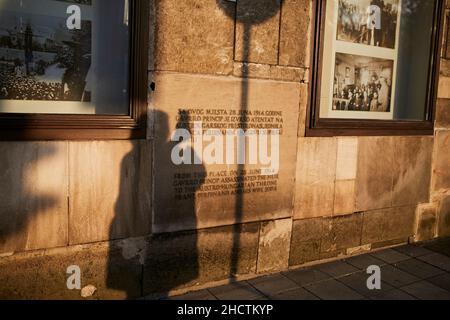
(327, 127)
(96, 127)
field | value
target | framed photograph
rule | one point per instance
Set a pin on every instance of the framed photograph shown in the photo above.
(370, 22)
(360, 59)
(42, 60)
(362, 84)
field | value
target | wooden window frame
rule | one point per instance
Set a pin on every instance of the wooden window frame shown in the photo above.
(326, 127)
(96, 127)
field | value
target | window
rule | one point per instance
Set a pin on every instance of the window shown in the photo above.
(375, 67)
(73, 69)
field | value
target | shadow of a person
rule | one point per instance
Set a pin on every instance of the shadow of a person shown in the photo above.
(170, 260)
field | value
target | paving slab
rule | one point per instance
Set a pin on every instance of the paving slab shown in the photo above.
(413, 251)
(304, 277)
(442, 281)
(425, 290)
(295, 294)
(438, 260)
(362, 262)
(396, 277)
(337, 268)
(358, 282)
(419, 268)
(236, 291)
(272, 285)
(390, 256)
(333, 290)
(395, 294)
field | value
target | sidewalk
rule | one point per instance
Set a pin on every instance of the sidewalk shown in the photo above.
(407, 272)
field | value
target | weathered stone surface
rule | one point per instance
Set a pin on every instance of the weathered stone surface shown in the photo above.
(341, 232)
(185, 259)
(412, 170)
(444, 88)
(194, 36)
(441, 162)
(344, 197)
(33, 195)
(346, 167)
(294, 39)
(306, 238)
(444, 217)
(347, 158)
(426, 223)
(257, 31)
(274, 245)
(266, 71)
(42, 275)
(445, 68)
(195, 98)
(316, 167)
(388, 224)
(374, 175)
(443, 113)
(304, 95)
(110, 190)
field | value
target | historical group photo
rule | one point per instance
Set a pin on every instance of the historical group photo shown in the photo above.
(41, 59)
(362, 83)
(369, 22)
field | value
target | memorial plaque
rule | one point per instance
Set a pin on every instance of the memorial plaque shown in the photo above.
(225, 150)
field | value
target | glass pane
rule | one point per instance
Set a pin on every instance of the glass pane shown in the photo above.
(64, 56)
(376, 59)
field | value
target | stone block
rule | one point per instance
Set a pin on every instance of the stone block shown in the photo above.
(185, 259)
(341, 232)
(316, 167)
(441, 162)
(194, 36)
(426, 223)
(33, 195)
(257, 31)
(110, 190)
(347, 158)
(443, 113)
(188, 194)
(42, 275)
(388, 224)
(266, 71)
(295, 28)
(412, 170)
(305, 243)
(274, 245)
(444, 88)
(444, 217)
(344, 197)
(374, 173)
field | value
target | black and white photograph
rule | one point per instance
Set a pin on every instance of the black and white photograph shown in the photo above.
(41, 59)
(368, 22)
(362, 83)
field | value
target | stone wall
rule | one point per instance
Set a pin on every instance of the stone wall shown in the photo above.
(107, 206)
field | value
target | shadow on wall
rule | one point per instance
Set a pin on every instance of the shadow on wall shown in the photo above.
(26, 197)
(168, 261)
(172, 260)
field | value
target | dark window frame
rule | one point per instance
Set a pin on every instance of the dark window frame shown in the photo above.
(96, 127)
(326, 127)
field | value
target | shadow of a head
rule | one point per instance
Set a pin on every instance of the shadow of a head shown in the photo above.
(251, 12)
